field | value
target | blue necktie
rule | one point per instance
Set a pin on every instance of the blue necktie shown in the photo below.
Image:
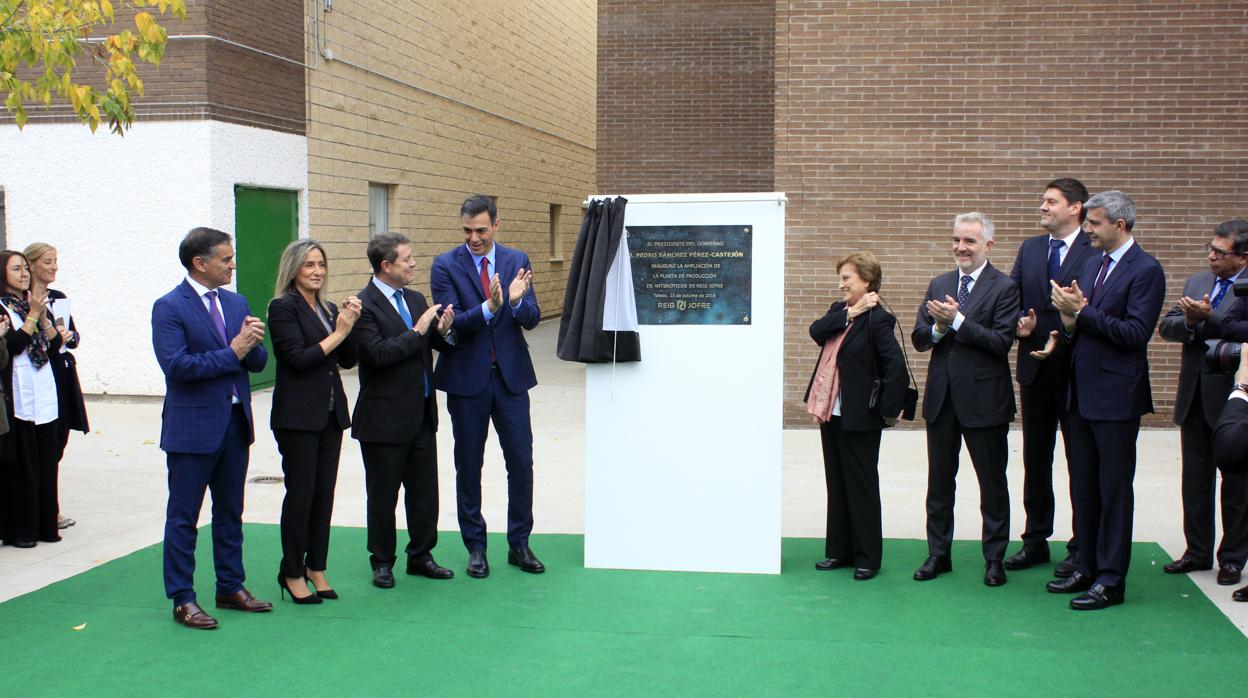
(1223, 284)
(964, 290)
(1055, 257)
(407, 320)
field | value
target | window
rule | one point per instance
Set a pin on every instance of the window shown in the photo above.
(378, 208)
(556, 212)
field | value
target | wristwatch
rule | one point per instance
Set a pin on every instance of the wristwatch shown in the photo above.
(1241, 387)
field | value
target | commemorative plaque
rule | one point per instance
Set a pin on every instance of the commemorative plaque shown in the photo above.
(691, 274)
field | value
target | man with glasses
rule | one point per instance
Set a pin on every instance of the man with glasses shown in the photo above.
(1206, 301)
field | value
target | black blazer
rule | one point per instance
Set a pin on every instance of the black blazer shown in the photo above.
(974, 360)
(305, 374)
(869, 351)
(1230, 437)
(1214, 387)
(395, 362)
(1031, 275)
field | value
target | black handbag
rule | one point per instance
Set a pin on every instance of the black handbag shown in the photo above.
(910, 401)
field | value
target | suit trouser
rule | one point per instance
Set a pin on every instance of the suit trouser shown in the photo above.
(1042, 406)
(851, 471)
(414, 465)
(1102, 473)
(989, 452)
(31, 480)
(310, 464)
(224, 473)
(470, 421)
(1199, 489)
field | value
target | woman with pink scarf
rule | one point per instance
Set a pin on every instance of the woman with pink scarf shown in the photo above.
(855, 392)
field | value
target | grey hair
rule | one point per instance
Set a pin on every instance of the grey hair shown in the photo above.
(976, 217)
(1117, 206)
(293, 257)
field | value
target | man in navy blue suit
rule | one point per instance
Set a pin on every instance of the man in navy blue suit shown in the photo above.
(489, 375)
(1108, 317)
(1043, 362)
(206, 341)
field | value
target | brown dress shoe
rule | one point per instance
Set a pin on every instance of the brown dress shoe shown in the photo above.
(242, 600)
(192, 616)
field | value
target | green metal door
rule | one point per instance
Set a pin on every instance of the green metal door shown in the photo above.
(265, 222)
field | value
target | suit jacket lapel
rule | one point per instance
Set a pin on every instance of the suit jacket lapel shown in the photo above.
(198, 310)
(468, 265)
(383, 307)
(311, 316)
(979, 289)
(1228, 299)
(1072, 266)
(1117, 270)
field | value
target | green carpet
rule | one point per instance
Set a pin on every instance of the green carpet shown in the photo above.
(574, 631)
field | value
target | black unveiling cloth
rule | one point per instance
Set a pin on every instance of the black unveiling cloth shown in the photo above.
(581, 337)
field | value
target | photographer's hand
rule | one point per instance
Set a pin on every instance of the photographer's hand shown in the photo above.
(1241, 376)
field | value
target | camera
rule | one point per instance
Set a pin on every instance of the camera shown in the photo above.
(1222, 356)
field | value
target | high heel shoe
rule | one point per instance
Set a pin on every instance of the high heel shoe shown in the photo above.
(329, 594)
(309, 599)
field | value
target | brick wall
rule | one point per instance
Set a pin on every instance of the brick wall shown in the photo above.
(444, 100)
(893, 117)
(686, 96)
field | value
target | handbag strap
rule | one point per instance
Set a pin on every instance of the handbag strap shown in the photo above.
(900, 341)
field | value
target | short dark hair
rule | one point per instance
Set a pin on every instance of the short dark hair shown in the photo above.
(199, 243)
(384, 247)
(1237, 230)
(1072, 190)
(477, 204)
(5, 288)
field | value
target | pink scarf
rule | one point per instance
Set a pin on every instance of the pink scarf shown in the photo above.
(827, 384)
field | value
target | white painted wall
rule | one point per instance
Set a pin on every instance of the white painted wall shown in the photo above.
(116, 209)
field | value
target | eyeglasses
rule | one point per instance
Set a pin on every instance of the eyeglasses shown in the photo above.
(1219, 254)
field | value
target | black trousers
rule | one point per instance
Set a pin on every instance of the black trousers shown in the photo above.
(851, 470)
(989, 452)
(414, 465)
(1199, 488)
(31, 481)
(1102, 472)
(1043, 405)
(310, 464)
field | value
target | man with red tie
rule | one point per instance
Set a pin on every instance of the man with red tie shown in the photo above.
(1108, 316)
(488, 377)
(1206, 300)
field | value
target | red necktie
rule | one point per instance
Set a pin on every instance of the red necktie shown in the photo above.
(485, 277)
(1100, 278)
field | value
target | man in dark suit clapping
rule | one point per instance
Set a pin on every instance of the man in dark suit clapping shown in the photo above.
(1108, 317)
(968, 319)
(206, 341)
(396, 413)
(1206, 300)
(1043, 362)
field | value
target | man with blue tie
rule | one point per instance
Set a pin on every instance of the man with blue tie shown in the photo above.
(967, 320)
(206, 341)
(489, 376)
(1108, 317)
(396, 413)
(1043, 363)
(1201, 395)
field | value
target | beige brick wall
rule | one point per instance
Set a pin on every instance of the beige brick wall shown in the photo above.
(449, 99)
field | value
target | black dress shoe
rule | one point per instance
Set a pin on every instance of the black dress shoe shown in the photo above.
(383, 577)
(933, 567)
(525, 560)
(428, 568)
(862, 574)
(994, 574)
(1240, 594)
(1029, 556)
(478, 566)
(1184, 565)
(1070, 585)
(831, 563)
(1228, 575)
(1096, 598)
(22, 543)
(1066, 567)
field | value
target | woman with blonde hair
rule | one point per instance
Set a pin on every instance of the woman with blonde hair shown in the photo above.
(72, 406)
(311, 341)
(857, 389)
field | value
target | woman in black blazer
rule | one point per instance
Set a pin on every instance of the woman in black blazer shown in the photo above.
(311, 340)
(856, 390)
(71, 405)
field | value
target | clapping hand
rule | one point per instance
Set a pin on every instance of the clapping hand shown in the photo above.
(1068, 301)
(519, 286)
(1048, 349)
(446, 319)
(943, 313)
(1026, 323)
(249, 335)
(496, 294)
(426, 319)
(348, 313)
(1195, 311)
